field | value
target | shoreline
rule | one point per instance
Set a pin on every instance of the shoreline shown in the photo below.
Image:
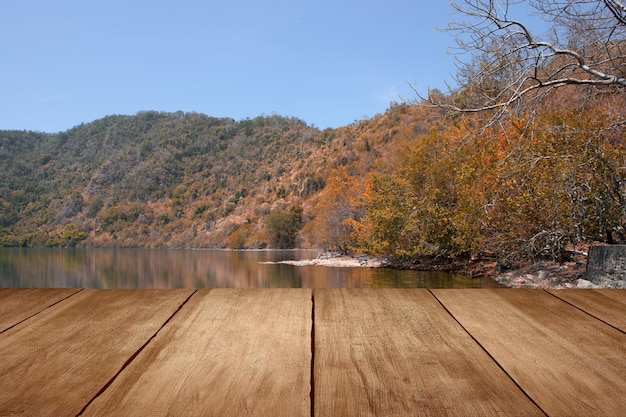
(541, 275)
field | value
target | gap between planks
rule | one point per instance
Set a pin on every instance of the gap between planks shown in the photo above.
(488, 354)
(134, 355)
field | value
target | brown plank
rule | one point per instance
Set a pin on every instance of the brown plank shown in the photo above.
(570, 363)
(55, 363)
(18, 304)
(399, 353)
(608, 305)
(229, 352)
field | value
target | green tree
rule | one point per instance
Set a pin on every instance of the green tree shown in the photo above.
(71, 235)
(282, 226)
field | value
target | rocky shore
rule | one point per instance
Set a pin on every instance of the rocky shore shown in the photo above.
(546, 274)
(542, 274)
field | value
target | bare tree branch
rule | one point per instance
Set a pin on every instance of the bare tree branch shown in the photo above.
(585, 45)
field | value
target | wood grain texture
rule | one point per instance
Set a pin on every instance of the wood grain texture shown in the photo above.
(56, 362)
(570, 363)
(608, 305)
(226, 353)
(399, 353)
(18, 304)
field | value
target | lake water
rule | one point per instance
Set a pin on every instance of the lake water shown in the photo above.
(185, 268)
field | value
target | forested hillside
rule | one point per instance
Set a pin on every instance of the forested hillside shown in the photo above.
(160, 179)
(541, 183)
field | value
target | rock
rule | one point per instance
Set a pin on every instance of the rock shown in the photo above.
(606, 266)
(502, 266)
(583, 283)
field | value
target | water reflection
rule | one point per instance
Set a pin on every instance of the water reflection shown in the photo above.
(169, 268)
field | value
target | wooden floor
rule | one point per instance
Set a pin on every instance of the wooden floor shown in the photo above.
(302, 352)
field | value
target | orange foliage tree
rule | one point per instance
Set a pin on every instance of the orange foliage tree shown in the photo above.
(335, 214)
(529, 189)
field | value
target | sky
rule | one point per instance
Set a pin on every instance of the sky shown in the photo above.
(327, 62)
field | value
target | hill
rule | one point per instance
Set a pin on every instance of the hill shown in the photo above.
(166, 180)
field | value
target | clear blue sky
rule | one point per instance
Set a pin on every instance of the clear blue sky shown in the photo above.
(328, 62)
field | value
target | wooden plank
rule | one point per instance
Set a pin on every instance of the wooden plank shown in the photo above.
(608, 305)
(570, 363)
(228, 352)
(18, 304)
(397, 352)
(58, 361)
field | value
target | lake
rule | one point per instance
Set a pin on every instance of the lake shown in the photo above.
(186, 268)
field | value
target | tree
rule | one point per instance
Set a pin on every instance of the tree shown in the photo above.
(426, 205)
(283, 226)
(339, 207)
(584, 45)
(71, 235)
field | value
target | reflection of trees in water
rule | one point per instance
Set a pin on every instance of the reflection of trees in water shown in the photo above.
(145, 268)
(326, 277)
(163, 268)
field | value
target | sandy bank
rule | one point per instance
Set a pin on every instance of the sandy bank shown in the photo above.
(336, 262)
